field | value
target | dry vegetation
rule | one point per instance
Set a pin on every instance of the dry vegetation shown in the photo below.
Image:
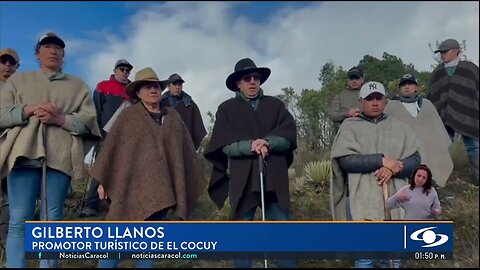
(309, 189)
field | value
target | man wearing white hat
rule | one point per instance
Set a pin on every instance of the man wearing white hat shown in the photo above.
(370, 151)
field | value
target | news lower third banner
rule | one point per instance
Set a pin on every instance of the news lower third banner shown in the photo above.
(239, 240)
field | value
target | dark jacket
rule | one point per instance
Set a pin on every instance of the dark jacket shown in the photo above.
(190, 114)
(236, 121)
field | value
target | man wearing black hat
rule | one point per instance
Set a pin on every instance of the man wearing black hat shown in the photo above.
(186, 107)
(345, 103)
(454, 91)
(248, 126)
(107, 97)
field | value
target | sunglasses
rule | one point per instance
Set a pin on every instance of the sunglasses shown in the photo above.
(123, 69)
(4, 59)
(248, 78)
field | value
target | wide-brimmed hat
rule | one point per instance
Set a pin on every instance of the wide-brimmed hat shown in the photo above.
(143, 76)
(246, 66)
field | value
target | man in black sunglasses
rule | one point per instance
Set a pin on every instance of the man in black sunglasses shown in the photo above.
(345, 103)
(9, 63)
(107, 97)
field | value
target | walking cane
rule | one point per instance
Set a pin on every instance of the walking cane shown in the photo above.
(388, 213)
(262, 195)
(43, 188)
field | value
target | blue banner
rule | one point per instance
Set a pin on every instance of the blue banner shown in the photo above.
(241, 237)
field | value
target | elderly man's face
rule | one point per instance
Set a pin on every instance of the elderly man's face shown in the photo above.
(373, 105)
(50, 56)
(249, 85)
(8, 66)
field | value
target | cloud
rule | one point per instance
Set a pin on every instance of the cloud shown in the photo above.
(203, 41)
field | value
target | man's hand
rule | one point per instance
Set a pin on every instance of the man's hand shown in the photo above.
(260, 147)
(47, 118)
(353, 112)
(394, 165)
(49, 107)
(383, 175)
(101, 193)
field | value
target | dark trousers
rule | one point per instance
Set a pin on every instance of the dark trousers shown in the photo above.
(93, 201)
(4, 212)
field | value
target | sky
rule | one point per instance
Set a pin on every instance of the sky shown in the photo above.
(202, 41)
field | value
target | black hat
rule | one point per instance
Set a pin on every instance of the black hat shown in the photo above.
(355, 71)
(408, 78)
(50, 37)
(245, 66)
(175, 78)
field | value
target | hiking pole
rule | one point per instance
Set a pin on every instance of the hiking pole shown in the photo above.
(387, 212)
(262, 195)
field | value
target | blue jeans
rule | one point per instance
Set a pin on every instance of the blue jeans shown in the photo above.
(471, 146)
(138, 263)
(23, 189)
(367, 263)
(272, 212)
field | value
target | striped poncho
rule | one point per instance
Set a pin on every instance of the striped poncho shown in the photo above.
(456, 97)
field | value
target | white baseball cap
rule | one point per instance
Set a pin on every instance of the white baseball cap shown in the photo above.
(371, 87)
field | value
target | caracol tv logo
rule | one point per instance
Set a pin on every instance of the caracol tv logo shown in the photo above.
(428, 236)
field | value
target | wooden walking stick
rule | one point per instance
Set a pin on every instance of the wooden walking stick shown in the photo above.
(387, 211)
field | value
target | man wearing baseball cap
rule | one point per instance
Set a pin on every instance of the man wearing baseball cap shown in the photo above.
(47, 110)
(419, 113)
(370, 151)
(186, 107)
(9, 63)
(453, 90)
(345, 103)
(108, 96)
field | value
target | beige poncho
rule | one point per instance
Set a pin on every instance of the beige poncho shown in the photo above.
(358, 136)
(64, 151)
